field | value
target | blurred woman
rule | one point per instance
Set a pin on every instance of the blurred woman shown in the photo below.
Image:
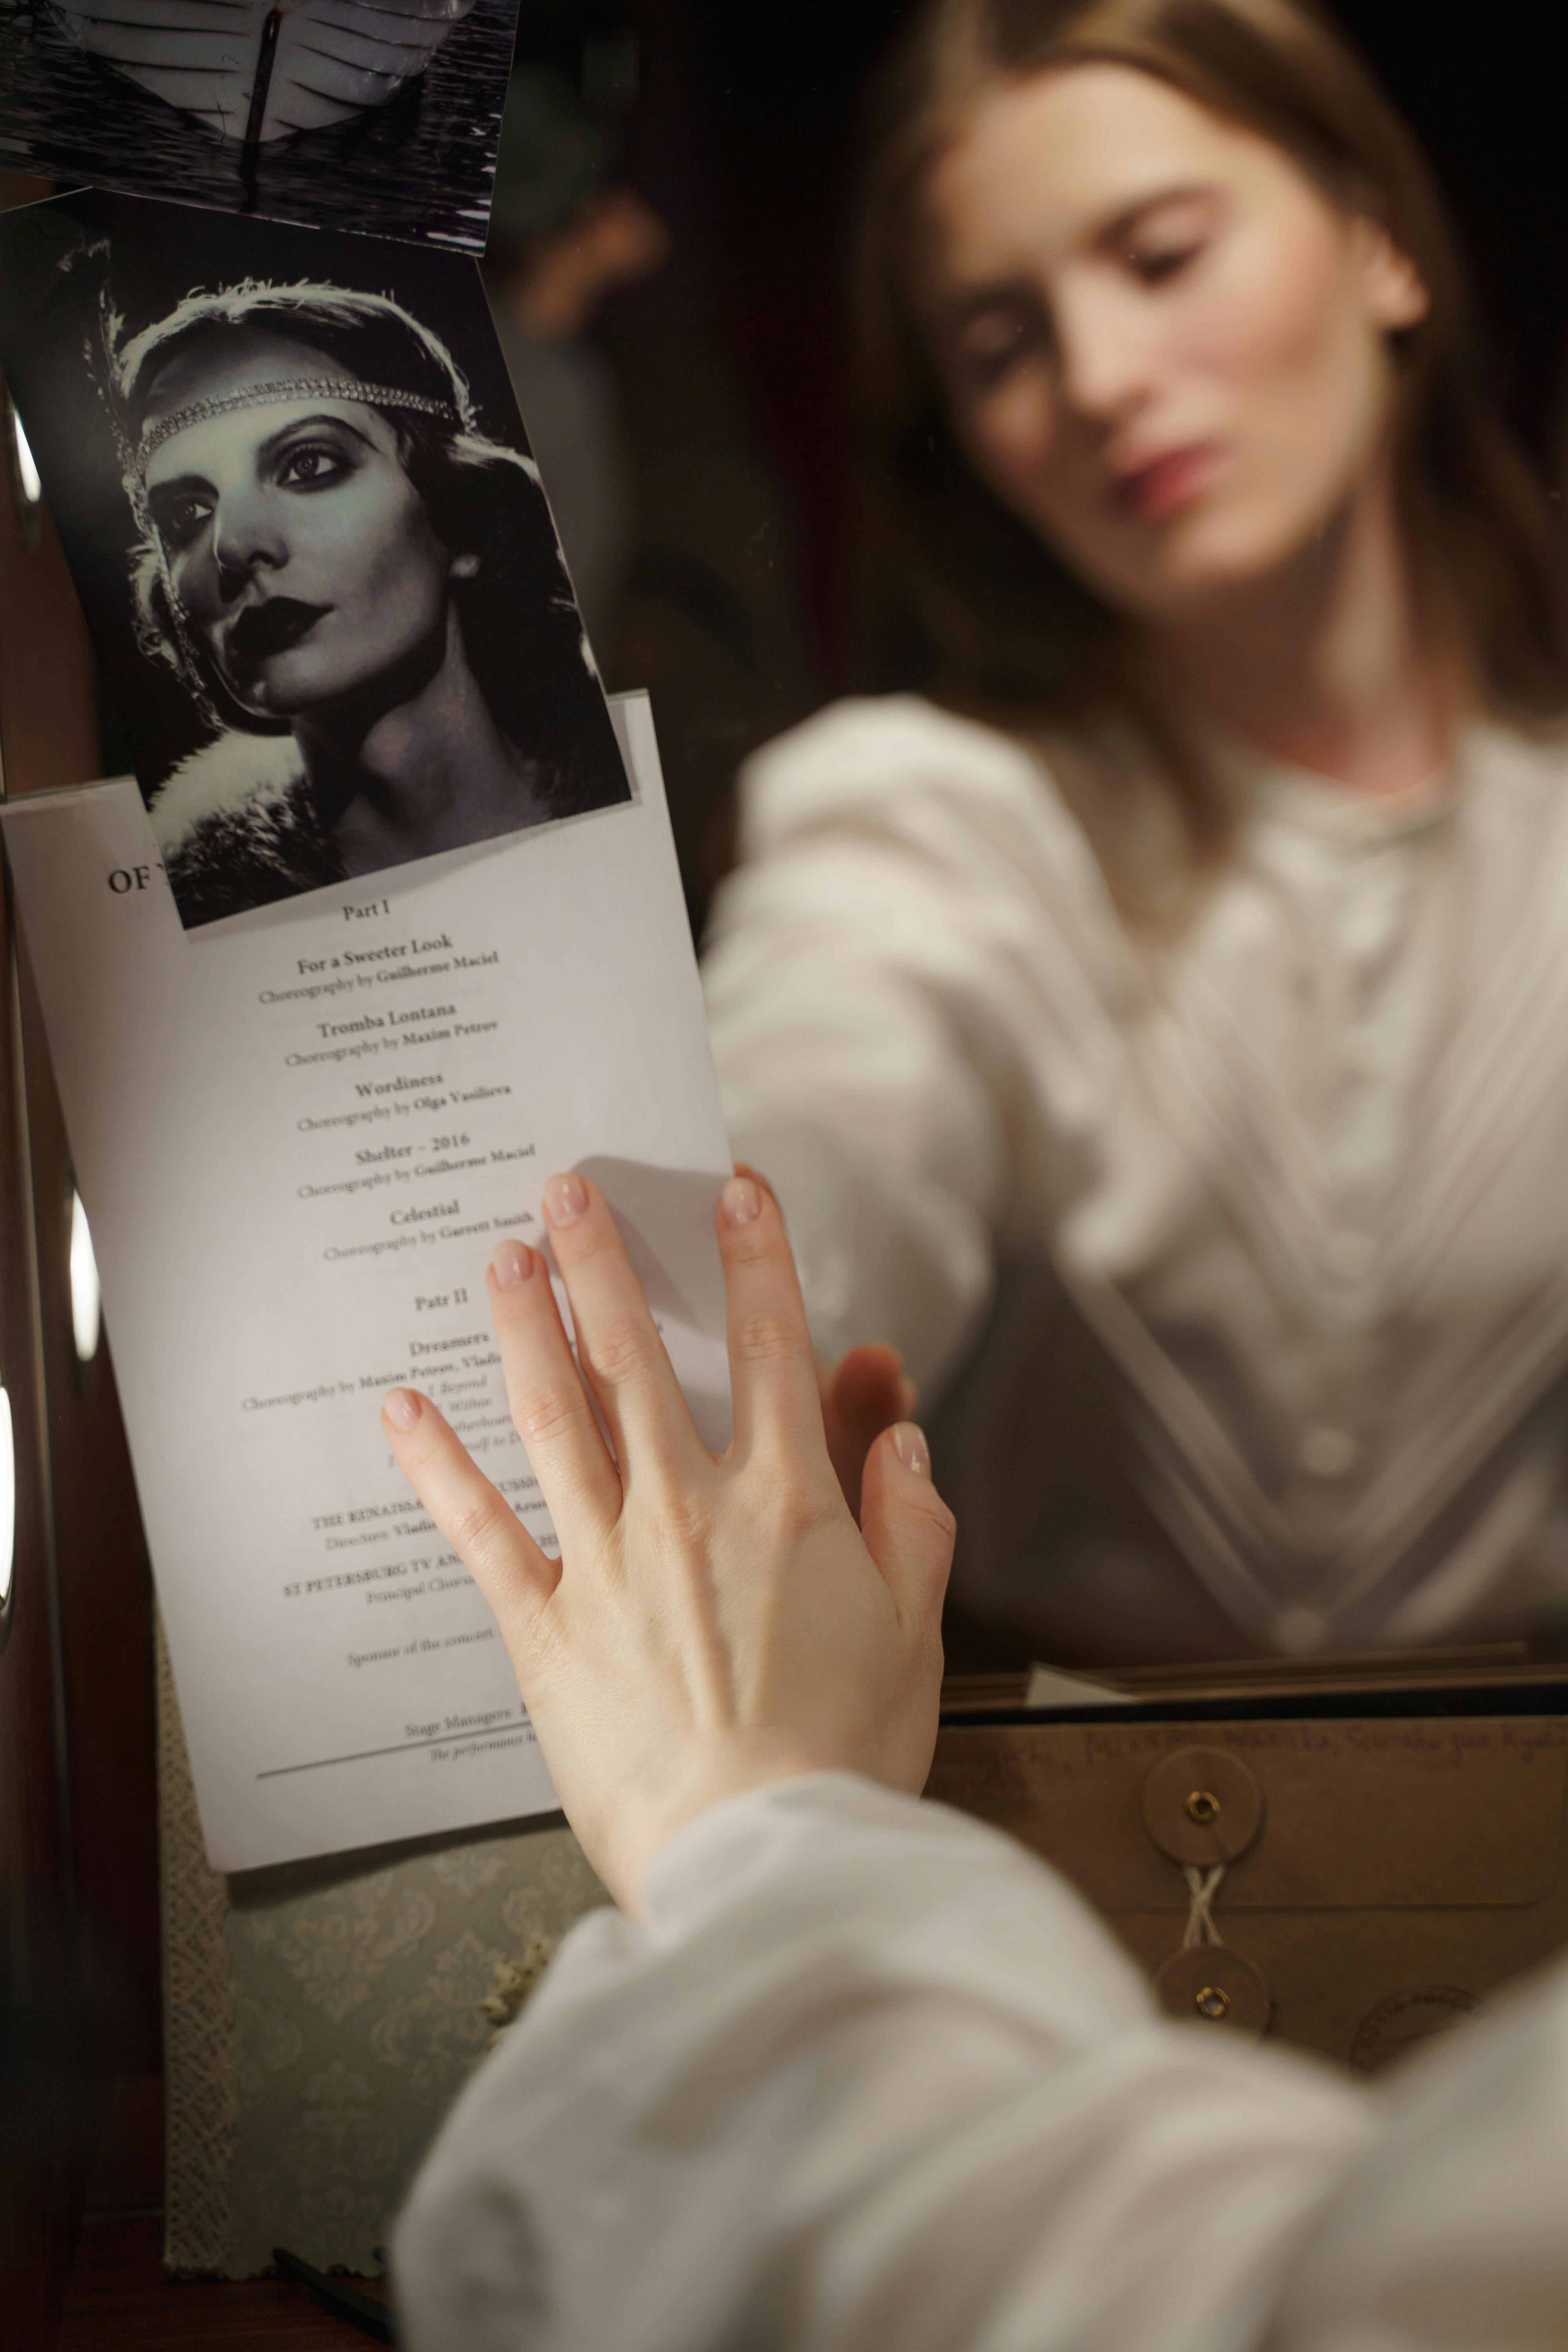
(1177, 994)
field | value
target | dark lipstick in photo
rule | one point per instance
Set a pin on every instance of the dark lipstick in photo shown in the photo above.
(271, 627)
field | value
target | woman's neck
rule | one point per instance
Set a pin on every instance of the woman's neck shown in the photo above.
(1326, 664)
(430, 770)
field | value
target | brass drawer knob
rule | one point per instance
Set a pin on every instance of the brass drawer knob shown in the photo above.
(1201, 1805)
(1213, 1984)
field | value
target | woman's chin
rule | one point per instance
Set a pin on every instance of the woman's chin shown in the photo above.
(292, 688)
(275, 699)
(1206, 571)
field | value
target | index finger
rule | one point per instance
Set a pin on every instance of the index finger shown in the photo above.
(516, 1577)
(772, 1371)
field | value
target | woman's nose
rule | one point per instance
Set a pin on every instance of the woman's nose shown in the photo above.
(245, 541)
(1106, 360)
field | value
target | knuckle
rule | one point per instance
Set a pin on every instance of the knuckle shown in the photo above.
(799, 1506)
(549, 1650)
(686, 1524)
(473, 1525)
(541, 1416)
(424, 1457)
(761, 1243)
(622, 1352)
(767, 1336)
(593, 1234)
(938, 1513)
(928, 1507)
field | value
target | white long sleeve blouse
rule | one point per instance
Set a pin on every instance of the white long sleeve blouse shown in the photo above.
(1299, 1182)
(870, 2076)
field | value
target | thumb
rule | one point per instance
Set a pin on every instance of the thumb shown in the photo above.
(909, 1529)
(866, 1392)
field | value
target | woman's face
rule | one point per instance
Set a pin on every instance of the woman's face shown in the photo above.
(1163, 347)
(296, 543)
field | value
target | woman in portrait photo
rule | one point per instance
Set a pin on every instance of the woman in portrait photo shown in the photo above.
(361, 591)
(1162, 1016)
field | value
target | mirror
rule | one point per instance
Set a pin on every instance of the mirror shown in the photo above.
(1238, 1325)
(1146, 1470)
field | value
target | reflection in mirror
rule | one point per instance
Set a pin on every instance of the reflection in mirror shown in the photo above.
(1127, 990)
(31, 487)
(87, 1305)
(26, 489)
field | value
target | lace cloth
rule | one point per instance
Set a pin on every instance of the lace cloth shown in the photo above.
(320, 2018)
(198, 2012)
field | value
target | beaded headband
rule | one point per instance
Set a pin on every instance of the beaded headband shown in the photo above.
(299, 387)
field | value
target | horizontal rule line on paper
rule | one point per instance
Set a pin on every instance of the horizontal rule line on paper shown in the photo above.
(365, 1755)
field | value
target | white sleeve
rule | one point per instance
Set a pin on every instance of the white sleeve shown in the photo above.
(869, 2076)
(1451, 2234)
(907, 982)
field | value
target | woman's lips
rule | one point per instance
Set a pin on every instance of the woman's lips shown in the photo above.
(1162, 487)
(271, 627)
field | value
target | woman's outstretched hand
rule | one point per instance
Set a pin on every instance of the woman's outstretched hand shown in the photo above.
(713, 1624)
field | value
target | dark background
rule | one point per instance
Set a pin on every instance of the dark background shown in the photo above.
(747, 133)
(744, 135)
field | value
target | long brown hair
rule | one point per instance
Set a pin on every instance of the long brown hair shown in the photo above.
(1017, 636)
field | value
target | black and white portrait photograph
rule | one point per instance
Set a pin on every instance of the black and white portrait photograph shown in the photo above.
(380, 116)
(315, 555)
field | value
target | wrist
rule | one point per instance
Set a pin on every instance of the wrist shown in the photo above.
(739, 1769)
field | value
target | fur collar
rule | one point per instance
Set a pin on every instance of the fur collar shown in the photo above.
(237, 827)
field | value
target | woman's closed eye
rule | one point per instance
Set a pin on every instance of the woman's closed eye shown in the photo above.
(1163, 240)
(993, 342)
(1156, 265)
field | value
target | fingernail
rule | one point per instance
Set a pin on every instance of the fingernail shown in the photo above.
(909, 1446)
(740, 1203)
(565, 1198)
(401, 1407)
(512, 1263)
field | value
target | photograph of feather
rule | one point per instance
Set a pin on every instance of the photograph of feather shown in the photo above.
(376, 115)
(320, 571)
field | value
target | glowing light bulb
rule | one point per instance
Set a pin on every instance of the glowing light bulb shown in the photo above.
(26, 468)
(87, 1305)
